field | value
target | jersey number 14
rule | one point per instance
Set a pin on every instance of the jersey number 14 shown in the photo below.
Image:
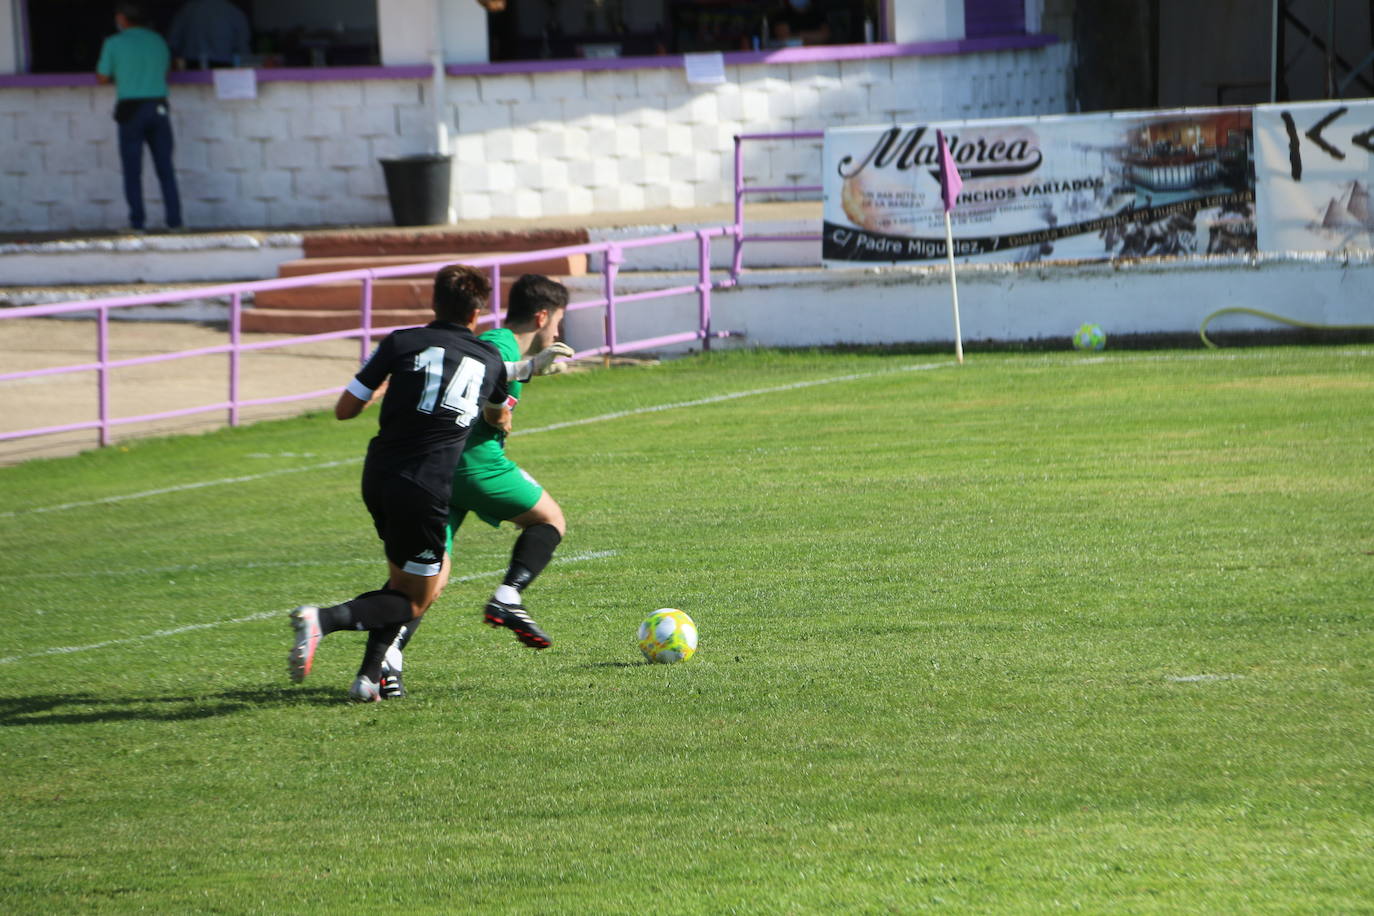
(462, 391)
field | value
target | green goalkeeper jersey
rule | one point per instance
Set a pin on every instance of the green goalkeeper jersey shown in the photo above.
(487, 444)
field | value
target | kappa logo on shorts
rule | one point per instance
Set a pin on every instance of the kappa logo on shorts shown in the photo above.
(427, 555)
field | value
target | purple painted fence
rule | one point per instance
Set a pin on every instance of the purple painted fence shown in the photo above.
(741, 190)
(612, 252)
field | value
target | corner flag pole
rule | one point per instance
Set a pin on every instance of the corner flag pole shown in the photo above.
(950, 185)
(954, 290)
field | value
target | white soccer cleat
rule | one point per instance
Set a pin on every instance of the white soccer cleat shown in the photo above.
(365, 690)
(305, 620)
(390, 685)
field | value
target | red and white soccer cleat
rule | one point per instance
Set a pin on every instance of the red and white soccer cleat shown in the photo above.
(305, 620)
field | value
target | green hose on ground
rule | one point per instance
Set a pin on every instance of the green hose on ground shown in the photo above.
(1202, 332)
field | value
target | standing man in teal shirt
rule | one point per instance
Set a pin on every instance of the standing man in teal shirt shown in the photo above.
(136, 60)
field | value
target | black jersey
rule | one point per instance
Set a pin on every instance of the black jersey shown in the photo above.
(441, 376)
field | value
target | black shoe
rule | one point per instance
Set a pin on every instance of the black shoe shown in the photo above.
(390, 685)
(514, 618)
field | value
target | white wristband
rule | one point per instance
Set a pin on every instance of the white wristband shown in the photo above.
(521, 371)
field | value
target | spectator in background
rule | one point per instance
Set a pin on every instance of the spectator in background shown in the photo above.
(136, 60)
(209, 33)
(796, 22)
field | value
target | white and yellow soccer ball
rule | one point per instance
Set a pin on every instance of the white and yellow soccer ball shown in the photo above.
(1089, 337)
(667, 636)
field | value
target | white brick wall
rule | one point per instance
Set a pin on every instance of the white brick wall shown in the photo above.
(568, 200)
(542, 113)
(286, 154)
(18, 100)
(336, 95)
(264, 185)
(512, 87)
(567, 85)
(317, 124)
(483, 118)
(472, 206)
(527, 145)
(515, 145)
(381, 93)
(254, 123)
(546, 175)
(672, 139)
(336, 153)
(570, 144)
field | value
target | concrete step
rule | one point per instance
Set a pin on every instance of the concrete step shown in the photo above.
(397, 293)
(318, 321)
(254, 254)
(439, 240)
(569, 265)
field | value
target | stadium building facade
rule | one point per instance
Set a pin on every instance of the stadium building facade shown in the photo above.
(530, 135)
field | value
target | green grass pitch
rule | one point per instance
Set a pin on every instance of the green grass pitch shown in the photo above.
(1040, 632)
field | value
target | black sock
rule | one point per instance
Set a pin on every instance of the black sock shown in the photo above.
(380, 641)
(532, 552)
(368, 611)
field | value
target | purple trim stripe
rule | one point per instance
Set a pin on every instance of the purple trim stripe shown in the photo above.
(802, 55)
(813, 54)
(205, 77)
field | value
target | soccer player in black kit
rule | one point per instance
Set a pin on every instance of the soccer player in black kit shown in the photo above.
(441, 378)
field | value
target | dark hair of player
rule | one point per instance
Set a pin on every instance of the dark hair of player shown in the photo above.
(530, 294)
(459, 292)
(133, 12)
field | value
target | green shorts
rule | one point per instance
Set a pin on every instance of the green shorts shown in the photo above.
(496, 493)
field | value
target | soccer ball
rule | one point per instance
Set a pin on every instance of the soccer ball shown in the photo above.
(667, 636)
(1089, 337)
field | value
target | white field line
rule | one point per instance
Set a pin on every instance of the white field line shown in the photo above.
(179, 488)
(699, 402)
(182, 568)
(179, 568)
(736, 395)
(1198, 678)
(261, 615)
(249, 478)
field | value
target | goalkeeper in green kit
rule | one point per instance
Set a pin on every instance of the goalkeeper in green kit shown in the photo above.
(495, 489)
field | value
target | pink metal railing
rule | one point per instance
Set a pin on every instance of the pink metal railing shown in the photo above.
(612, 252)
(741, 190)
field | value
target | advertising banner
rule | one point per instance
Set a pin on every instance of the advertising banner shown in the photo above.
(1315, 165)
(1085, 187)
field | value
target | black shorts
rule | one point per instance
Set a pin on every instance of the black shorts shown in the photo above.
(411, 521)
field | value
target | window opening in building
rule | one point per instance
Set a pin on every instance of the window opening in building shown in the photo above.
(561, 29)
(65, 35)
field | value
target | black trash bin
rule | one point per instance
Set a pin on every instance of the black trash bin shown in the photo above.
(418, 188)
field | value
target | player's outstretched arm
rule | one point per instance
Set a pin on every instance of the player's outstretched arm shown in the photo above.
(541, 363)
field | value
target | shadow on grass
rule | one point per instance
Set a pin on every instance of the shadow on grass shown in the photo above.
(81, 708)
(613, 665)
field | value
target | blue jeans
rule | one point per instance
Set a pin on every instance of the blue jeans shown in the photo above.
(152, 125)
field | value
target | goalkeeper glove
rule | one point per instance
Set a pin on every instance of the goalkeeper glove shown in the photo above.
(541, 363)
(543, 360)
